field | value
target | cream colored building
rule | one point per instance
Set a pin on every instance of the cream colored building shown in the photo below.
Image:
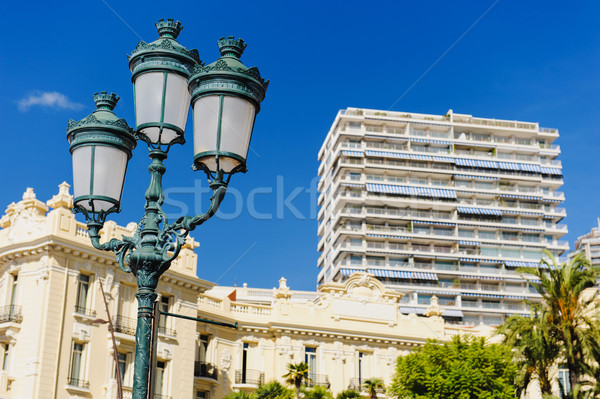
(52, 345)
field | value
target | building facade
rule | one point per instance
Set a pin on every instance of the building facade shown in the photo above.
(446, 205)
(54, 342)
(589, 244)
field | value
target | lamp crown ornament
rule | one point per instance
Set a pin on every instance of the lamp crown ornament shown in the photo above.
(106, 101)
(169, 28)
(231, 47)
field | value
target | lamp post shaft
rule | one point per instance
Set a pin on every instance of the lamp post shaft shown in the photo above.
(146, 297)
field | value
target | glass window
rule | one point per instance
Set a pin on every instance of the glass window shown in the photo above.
(83, 287)
(488, 235)
(466, 233)
(159, 383)
(563, 381)
(202, 348)
(122, 358)
(310, 358)
(5, 356)
(14, 290)
(76, 373)
(164, 307)
(363, 367)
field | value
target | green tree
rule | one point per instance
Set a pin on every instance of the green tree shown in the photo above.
(239, 395)
(273, 390)
(536, 348)
(465, 368)
(568, 312)
(297, 375)
(372, 385)
(317, 392)
(348, 394)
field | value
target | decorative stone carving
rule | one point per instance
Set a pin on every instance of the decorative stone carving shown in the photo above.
(63, 199)
(225, 360)
(434, 310)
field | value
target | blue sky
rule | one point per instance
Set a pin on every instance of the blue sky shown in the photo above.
(533, 61)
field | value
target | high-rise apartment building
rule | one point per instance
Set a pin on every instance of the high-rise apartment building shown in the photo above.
(447, 205)
(589, 244)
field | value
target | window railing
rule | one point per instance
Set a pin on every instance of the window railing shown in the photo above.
(207, 370)
(159, 396)
(253, 377)
(124, 325)
(167, 331)
(318, 379)
(76, 382)
(85, 311)
(357, 384)
(11, 313)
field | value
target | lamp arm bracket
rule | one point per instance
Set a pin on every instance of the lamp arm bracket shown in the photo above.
(189, 223)
(119, 247)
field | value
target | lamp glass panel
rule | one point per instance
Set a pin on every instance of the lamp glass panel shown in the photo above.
(109, 174)
(81, 172)
(177, 102)
(236, 125)
(148, 100)
(206, 117)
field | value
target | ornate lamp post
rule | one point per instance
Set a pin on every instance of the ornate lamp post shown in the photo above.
(225, 96)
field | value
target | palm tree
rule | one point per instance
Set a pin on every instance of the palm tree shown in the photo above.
(273, 390)
(317, 392)
(240, 395)
(297, 375)
(537, 349)
(348, 394)
(372, 385)
(569, 310)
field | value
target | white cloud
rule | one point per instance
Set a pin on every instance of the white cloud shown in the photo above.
(50, 99)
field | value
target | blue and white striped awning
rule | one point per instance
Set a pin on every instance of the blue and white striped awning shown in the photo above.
(512, 211)
(436, 292)
(442, 159)
(476, 163)
(512, 263)
(348, 272)
(418, 140)
(452, 313)
(521, 196)
(409, 310)
(352, 185)
(482, 295)
(434, 223)
(551, 171)
(477, 243)
(424, 276)
(527, 167)
(476, 177)
(412, 191)
(352, 153)
(391, 273)
(421, 157)
(387, 154)
(388, 235)
(515, 297)
(508, 166)
(478, 277)
(480, 260)
(478, 211)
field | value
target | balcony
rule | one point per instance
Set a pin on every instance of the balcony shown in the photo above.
(11, 314)
(124, 325)
(170, 332)
(205, 370)
(76, 382)
(251, 377)
(357, 384)
(318, 379)
(81, 310)
(159, 396)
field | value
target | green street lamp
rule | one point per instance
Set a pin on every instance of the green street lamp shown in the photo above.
(225, 96)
